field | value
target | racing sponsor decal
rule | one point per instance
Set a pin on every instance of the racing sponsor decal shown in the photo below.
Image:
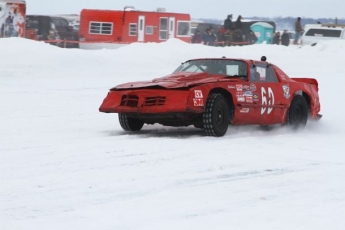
(244, 110)
(231, 87)
(198, 94)
(255, 97)
(239, 87)
(246, 87)
(252, 87)
(267, 98)
(286, 90)
(198, 102)
(240, 99)
(248, 93)
(249, 99)
(239, 94)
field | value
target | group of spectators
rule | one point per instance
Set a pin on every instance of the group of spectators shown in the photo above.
(231, 33)
(284, 39)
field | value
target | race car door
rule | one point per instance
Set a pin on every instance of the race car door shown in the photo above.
(247, 107)
(270, 95)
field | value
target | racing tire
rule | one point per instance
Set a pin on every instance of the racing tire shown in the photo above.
(297, 115)
(130, 123)
(266, 127)
(216, 116)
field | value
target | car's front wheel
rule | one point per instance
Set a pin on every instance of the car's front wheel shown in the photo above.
(130, 123)
(297, 115)
(216, 116)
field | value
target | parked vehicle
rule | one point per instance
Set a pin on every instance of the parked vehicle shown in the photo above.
(291, 35)
(313, 33)
(53, 29)
(12, 18)
(211, 93)
(76, 26)
(115, 28)
(73, 20)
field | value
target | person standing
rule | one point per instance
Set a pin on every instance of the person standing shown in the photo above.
(239, 27)
(285, 39)
(220, 37)
(251, 38)
(298, 30)
(197, 37)
(228, 23)
(228, 37)
(239, 23)
(213, 37)
(209, 38)
(276, 38)
(206, 36)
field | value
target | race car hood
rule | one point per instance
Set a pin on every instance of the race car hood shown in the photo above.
(177, 80)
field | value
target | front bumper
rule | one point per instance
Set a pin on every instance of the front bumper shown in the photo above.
(151, 101)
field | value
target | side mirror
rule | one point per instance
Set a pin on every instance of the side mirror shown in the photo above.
(70, 28)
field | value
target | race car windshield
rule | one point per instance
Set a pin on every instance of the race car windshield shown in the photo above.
(229, 68)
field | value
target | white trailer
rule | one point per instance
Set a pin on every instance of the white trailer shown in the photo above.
(12, 18)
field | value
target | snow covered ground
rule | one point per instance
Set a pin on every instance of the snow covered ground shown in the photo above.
(64, 165)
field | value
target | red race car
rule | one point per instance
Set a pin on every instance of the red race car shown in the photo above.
(211, 93)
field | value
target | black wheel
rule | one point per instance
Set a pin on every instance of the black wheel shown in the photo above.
(198, 125)
(297, 115)
(129, 123)
(216, 116)
(266, 127)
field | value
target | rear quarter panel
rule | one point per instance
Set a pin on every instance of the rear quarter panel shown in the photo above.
(309, 86)
(309, 89)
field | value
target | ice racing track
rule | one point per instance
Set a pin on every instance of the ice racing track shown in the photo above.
(64, 165)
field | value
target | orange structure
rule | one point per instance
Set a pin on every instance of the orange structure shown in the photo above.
(114, 28)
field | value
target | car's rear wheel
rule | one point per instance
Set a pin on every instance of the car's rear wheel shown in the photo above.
(130, 123)
(297, 115)
(216, 116)
(266, 127)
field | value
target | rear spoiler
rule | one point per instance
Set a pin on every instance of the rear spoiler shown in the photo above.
(308, 80)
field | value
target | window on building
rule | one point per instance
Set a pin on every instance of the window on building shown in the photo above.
(149, 30)
(163, 28)
(133, 29)
(105, 28)
(183, 28)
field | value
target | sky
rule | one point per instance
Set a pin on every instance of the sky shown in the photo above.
(200, 9)
(65, 165)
